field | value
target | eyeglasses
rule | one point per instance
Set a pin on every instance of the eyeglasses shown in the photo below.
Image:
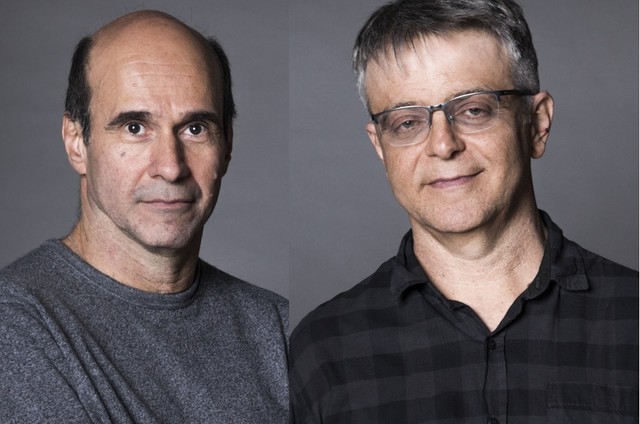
(467, 114)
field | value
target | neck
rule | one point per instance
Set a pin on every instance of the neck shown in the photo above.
(131, 264)
(488, 268)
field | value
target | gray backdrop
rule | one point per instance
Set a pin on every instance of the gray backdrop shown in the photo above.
(306, 209)
(345, 221)
(246, 235)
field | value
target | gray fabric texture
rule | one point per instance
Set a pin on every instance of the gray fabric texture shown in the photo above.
(77, 346)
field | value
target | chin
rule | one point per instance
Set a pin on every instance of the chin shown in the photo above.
(164, 239)
(451, 222)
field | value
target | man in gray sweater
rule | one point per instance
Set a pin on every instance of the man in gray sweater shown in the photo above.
(121, 321)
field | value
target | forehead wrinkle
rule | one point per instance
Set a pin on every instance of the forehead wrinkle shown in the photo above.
(147, 36)
(142, 70)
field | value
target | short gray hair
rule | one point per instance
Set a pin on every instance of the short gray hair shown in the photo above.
(400, 23)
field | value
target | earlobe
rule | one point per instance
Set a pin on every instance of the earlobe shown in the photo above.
(541, 119)
(74, 144)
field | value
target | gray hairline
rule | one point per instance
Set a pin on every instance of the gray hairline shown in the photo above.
(518, 72)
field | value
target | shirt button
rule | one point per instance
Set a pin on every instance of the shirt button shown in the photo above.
(492, 346)
(493, 420)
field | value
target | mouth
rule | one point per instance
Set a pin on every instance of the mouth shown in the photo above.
(455, 181)
(169, 204)
(167, 197)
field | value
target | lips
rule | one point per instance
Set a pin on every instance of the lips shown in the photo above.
(169, 205)
(166, 195)
(454, 181)
(168, 201)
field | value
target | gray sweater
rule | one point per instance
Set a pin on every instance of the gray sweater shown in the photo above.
(77, 346)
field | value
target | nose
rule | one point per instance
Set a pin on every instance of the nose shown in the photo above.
(167, 159)
(441, 140)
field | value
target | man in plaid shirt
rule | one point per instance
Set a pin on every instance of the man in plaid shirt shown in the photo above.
(487, 313)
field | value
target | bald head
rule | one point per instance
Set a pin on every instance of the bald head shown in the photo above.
(140, 35)
(140, 19)
(147, 27)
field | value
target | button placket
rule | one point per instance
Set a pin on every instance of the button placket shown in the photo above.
(496, 379)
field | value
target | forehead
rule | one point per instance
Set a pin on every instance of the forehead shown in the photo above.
(435, 68)
(156, 51)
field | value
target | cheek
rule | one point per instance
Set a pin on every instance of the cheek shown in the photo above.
(503, 148)
(111, 171)
(207, 169)
(402, 162)
(403, 172)
(515, 154)
(510, 162)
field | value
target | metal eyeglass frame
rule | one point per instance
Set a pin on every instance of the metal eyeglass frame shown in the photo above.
(441, 106)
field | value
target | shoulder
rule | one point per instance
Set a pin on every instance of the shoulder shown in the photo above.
(241, 295)
(577, 268)
(602, 294)
(41, 260)
(28, 301)
(605, 274)
(333, 332)
(347, 312)
(229, 285)
(612, 293)
(600, 267)
(34, 272)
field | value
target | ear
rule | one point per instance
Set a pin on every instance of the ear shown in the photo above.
(373, 136)
(74, 144)
(541, 119)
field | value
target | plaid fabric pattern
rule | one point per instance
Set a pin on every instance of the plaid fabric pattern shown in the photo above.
(394, 350)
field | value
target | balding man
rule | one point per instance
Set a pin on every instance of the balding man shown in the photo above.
(120, 321)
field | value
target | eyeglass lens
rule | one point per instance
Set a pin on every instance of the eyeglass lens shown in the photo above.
(467, 114)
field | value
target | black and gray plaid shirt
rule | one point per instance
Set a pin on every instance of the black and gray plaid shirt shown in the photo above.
(394, 350)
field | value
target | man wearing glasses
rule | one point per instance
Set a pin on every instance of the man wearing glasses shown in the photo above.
(487, 313)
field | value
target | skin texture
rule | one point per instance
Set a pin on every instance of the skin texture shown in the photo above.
(151, 172)
(470, 197)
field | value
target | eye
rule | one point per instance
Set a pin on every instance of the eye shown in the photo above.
(475, 110)
(195, 129)
(135, 128)
(405, 125)
(408, 123)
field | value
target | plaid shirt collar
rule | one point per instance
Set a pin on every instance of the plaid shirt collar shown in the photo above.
(561, 263)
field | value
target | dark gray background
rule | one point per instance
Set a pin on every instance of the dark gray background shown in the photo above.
(345, 221)
(246, 235)
(305, 209)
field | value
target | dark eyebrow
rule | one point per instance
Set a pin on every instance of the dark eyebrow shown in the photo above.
(201, 115)
(124, 117)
